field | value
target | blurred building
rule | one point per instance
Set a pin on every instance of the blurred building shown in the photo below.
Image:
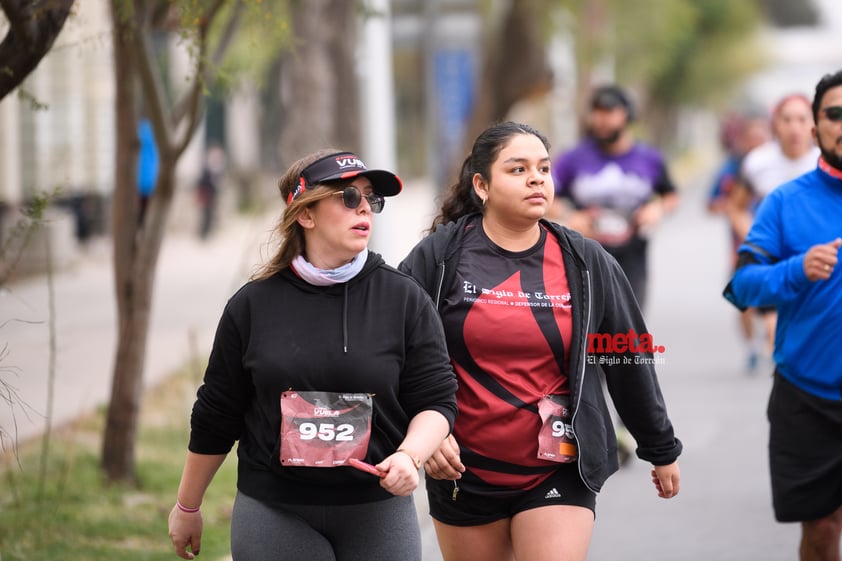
(57, 131)
(437, 50)
(60, 133)
(58, 137)
(799, 56)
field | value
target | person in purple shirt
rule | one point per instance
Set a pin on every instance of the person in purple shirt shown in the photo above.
(613, 188)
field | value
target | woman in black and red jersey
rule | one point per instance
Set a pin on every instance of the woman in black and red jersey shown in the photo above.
(520, 299)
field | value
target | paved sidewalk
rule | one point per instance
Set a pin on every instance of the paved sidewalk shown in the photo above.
(194, 280)
(192, 283)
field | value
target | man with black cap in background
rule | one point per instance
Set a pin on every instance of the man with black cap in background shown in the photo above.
(613, 188)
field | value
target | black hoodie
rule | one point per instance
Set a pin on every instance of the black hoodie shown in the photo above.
(378, 334)
(603, 303)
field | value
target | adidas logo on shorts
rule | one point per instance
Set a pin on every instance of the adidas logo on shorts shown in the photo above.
(553, 494)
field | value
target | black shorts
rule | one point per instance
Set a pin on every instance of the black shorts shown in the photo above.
(805, 453)
(564, 487)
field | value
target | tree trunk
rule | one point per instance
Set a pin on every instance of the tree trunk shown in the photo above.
(342, 32)
(127, 380)
(138, 239)
(309, 86)
(319, 85)
(134, 282)
(515, 68)
(120, 428)
(33, 27)
(137, 246)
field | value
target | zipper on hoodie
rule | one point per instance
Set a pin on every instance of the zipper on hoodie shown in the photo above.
(440, 285)
(583, 365)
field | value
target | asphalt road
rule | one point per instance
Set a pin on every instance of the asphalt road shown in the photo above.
(723, 511)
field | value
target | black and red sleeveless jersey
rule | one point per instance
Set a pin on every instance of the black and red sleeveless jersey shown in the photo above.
(508, 325)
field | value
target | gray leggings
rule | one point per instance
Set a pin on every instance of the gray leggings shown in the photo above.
(378, 531)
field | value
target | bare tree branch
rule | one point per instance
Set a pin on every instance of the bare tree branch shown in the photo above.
(194, 95)
(33, 27)
(153, 93)
(228, 34)
(16, 14)
(183, 105)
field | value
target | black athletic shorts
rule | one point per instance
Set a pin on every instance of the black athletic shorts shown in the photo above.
(805, 453)
(564, 487)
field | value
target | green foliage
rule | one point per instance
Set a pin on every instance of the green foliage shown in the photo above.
(648, 40)
(265, 31)
(262, 30)
(17, 239)
(123, 10)
(717, 51)
(677, 51)
(30, 100)
(80, 517)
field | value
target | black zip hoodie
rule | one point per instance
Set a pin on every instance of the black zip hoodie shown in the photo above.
(378, 334)
(603, 302)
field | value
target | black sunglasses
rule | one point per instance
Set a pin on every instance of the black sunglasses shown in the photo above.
(833, 113)
(352, 197)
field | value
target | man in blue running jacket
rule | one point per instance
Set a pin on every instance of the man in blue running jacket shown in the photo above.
(789, 261)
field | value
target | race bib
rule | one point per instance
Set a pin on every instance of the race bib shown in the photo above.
(324, 429)
(556, 442)
(612, 227)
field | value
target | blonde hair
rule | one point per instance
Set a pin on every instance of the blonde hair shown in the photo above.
(288, 229)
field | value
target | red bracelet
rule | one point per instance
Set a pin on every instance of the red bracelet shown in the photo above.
(183, 508)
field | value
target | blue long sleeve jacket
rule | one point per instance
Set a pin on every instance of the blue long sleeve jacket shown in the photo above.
(796, 216)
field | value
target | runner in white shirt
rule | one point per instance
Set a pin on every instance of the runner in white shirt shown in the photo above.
(791, 153)
(769, 165)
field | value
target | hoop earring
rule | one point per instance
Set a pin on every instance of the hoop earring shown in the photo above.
(483, 202)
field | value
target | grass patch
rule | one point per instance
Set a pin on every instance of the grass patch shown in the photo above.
(75, 515)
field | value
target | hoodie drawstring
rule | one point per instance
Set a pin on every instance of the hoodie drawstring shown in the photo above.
(345, 321)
